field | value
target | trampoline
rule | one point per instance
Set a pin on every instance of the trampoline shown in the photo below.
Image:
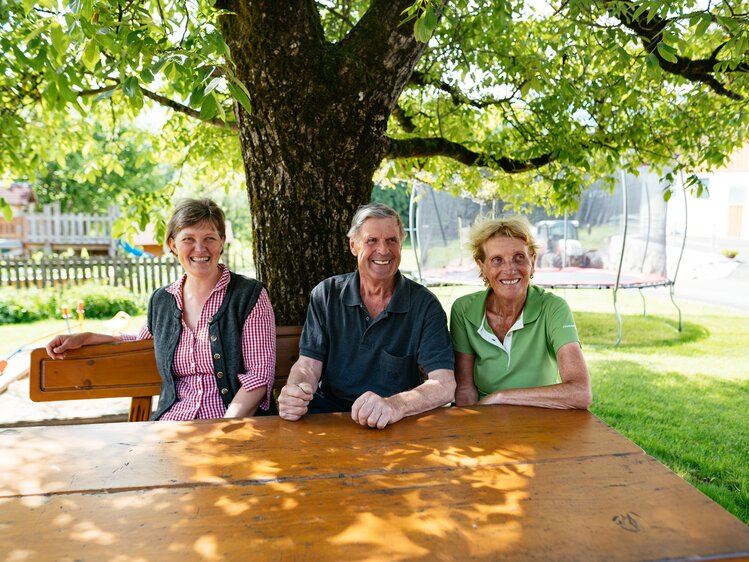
(615, 240)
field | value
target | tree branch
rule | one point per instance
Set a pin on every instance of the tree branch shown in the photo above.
(650, 31)
(434, 146)
(388, 50)
(176, 106)
(343, 17)
(406, 121)
(456, 95)
(97, 91)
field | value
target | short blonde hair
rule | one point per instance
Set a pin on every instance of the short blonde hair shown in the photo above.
(510, 226)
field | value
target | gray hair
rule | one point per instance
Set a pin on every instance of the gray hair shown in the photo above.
(190, 212)
(375, 211)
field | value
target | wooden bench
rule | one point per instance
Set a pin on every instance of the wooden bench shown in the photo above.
(121, 370)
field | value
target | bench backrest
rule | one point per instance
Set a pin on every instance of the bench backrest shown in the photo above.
(117, 370)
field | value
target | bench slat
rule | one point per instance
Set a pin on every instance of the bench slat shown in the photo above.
(95, 371)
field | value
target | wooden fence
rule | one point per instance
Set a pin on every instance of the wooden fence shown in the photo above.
(141, 275)
(53, 229)
(69, 228)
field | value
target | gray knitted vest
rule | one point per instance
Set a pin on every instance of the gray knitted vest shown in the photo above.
(224, 331)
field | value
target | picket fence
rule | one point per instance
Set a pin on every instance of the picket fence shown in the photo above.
(140, 276)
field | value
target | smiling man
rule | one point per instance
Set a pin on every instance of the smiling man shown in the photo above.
(370, 335)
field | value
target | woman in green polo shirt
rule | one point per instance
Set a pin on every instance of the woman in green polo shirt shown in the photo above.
(515, 343)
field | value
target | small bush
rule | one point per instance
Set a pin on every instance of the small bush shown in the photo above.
(730, 254)
(25, 305)
(99, 301)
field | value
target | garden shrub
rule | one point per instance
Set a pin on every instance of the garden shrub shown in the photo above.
(100, 302)
(25, 305)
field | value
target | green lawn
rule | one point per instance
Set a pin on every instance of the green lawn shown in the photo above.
(37, 334)
(682, 397)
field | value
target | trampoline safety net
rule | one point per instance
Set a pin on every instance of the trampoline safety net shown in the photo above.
(614, 240)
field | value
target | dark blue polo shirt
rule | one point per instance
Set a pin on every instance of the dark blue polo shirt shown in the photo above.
(380, 354)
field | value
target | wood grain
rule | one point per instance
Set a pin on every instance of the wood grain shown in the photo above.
(80, 458)
(483, 483)
(603, 508)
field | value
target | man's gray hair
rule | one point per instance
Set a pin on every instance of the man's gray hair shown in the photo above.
(375, 211)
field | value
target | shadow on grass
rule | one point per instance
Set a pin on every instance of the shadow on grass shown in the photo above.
(600, 329)
(696, 425)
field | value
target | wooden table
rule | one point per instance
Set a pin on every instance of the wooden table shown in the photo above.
(506, 483)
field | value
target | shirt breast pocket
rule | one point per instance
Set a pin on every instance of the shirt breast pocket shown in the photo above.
(395, 366)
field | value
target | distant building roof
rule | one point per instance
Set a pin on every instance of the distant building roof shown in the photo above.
(18, 194)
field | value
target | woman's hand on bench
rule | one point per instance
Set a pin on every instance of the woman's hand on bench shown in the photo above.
(60, 344)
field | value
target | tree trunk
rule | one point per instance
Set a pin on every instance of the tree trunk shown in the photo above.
(316, 133)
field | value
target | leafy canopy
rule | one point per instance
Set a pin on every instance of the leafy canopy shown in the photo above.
(528, 99)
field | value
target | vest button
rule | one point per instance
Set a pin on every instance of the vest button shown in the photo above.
(210, 319)
(224, 391)
(216, 356)
(219, 375)
(213, 338)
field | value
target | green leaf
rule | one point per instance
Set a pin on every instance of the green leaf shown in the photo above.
(421, 31)
(158, 65)
(208, 108)
(146, 76)
(430, 19)
(667, 52)
(63, 86)
(221, 113)
(705, 21)
(130, 86)
(91, 55)
(212, 85)
(116, 167)
(57, 35)
(36, 31)
(196, 97)
(239, 93)
(651, 62)
(170, 70)
(132, 38)
(220, 45)
(6, 209)
(50, 94)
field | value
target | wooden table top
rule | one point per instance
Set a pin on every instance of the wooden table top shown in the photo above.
(457, 483)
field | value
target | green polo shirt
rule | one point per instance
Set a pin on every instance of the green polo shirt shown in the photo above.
(547, 325)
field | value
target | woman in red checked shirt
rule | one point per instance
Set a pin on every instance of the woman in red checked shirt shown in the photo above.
(199, 323)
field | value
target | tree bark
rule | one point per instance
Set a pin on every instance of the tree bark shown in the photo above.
(316, 133)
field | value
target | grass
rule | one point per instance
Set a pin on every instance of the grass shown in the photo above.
(681, 396)
(37, 334)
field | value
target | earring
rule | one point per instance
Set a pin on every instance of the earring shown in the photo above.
(531, 276)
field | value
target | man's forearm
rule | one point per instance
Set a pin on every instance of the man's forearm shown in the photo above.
(437, 391)
(298, 375)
